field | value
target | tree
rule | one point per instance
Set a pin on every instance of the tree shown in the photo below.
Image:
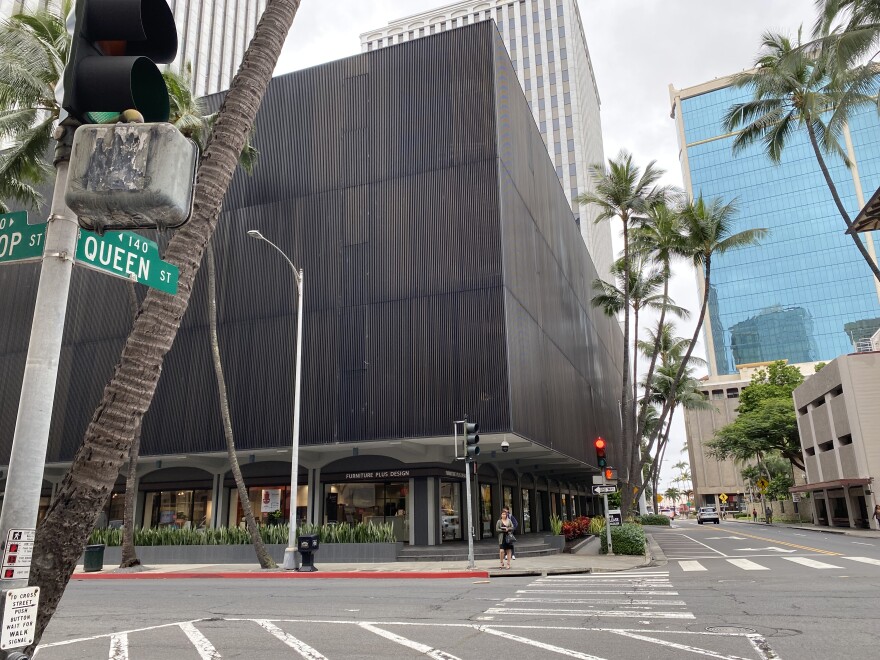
(33, 52)
(778, 381)
(710, 230)
(672, 493)
(851, 28)
(797, 88)
(624, 192)
(127, 397)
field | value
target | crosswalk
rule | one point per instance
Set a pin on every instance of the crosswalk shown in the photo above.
(692, 565)
(647, 595)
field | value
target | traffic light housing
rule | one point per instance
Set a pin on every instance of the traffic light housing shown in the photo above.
(113, 54)
(472, 439)
(610, 474)
(600, 445)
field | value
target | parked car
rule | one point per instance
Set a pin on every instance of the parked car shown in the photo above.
(669, 513)
(708, 514)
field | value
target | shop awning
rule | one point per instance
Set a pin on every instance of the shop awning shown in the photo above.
(828, 485)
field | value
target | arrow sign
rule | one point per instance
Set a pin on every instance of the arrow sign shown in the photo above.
(772, 548)
(601, 490)
(20, 241)
(127, 255)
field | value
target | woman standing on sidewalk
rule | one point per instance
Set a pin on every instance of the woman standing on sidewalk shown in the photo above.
(504, 527)
(877, 515)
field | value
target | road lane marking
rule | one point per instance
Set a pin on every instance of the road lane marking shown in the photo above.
(403, 641)
(860, 543)
(540, 645)
(706, 546)
(865, 560)
(791, 545)
(297, 645)
(772, 548)
(675, 645)
(611, 593)
(811, 563)
(601, 601)
(615, 613)
(691, 566)
(747, 565)
(204, 648)
(119, 647)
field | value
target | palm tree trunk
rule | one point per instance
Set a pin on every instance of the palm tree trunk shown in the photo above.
(643, 409)
(129, 556)
(265, 560)
(843, 214)
(635, 354)
(655, 468)
(65, 530)
(626, 498)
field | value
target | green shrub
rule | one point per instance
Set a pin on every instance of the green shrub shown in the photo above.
(742, 515)
(555, 525)
(271, 534)
(597, 525)
(628, 539)
(653, 519)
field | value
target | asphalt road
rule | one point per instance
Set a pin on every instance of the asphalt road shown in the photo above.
(711, 607)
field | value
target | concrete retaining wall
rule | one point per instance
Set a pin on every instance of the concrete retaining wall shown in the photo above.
(361, 553)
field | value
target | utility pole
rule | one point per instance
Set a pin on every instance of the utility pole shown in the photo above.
(471, 451)
(31, 439)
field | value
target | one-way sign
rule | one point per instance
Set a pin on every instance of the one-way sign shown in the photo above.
(602, 490)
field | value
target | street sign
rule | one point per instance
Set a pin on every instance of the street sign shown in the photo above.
(762, 484)
(614, 518)
(20, 241)
(19, 618)
(601, 490)
(722, 497)
(17, 553)
(127, 255)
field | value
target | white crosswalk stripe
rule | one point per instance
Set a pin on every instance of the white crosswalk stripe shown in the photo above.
(812, 563)
(692, 566)
(864, 560)
(642, 595)
(747, 565)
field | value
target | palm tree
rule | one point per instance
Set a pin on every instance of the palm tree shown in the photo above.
(128, 395)
(797, 88)
(662, 237)
(672, 493)
(709, 227)
(624, 192)
(851, 28)
(33, 52)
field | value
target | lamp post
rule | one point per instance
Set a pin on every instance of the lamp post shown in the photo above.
(290, 551)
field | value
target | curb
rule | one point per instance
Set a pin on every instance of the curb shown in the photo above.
(361, 575)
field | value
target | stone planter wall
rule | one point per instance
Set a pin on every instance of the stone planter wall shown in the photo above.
(355, 553)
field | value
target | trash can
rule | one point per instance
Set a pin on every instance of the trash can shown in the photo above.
(93, 558)
(307, 544)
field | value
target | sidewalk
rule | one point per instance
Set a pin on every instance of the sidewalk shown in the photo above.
(559, 564)
(846, 531)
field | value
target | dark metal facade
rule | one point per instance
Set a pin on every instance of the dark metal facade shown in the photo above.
(443, 274)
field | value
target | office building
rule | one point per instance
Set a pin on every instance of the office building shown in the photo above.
(839, 427)
(213, 36)
(546, 43)
(797, 294)
(443, 277)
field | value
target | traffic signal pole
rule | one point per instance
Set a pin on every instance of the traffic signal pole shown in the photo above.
(607, 525)
(24, 480)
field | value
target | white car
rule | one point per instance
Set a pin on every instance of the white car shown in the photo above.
(708, 514)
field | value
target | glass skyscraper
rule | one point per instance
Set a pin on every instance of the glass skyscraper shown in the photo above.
(803, 293)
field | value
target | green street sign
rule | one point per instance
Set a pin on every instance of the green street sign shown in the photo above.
(127, 255)
(20, 241)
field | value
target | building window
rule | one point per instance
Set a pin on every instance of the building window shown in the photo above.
(571, 145)
(566, 98)
(551, 57)
(543, 126)
(553, 101)
(552, 77)
(538, 60)
(526, 62)
(527, 85)
(732, 393)
(811, 451)
(826, 446)
(561, 30)
(555, 124)
(569, 122)
(845, 440)
(572, 169)
(565, 75)
(563, 54)
(717, 394)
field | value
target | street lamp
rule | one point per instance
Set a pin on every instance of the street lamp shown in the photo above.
(290, 551)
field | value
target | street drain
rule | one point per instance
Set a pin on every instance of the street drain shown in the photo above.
(731, 630)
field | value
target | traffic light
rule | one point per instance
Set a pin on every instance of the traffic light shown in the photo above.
(113, 55)
(472, 439)
(600, 452)
(610, 474)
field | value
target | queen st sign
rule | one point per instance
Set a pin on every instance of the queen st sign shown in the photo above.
(127, 255)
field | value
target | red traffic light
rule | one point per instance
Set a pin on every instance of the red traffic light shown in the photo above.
(610, 474)
(600, 443)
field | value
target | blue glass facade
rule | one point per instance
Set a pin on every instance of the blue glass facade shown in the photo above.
(801, 291)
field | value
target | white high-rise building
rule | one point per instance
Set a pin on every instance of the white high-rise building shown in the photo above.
(212, 35)
(546, 41)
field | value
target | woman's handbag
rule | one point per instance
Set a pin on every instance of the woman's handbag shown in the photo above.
(509, 538)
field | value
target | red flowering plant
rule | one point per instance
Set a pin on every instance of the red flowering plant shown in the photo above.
(577, 528)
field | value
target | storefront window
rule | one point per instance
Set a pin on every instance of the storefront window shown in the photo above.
(564, 506)
(184, 509)
(450, 511)
(369, 503)
(486, 510)
(507, 496)
(526, 522)
(270, 504)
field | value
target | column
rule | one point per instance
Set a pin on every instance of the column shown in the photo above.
(217, 500)
(424, 518)
(849, 507)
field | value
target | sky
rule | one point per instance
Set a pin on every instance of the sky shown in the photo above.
(638, 48)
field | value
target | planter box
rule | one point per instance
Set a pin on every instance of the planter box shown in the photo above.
(355, 553)
(554, 541)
